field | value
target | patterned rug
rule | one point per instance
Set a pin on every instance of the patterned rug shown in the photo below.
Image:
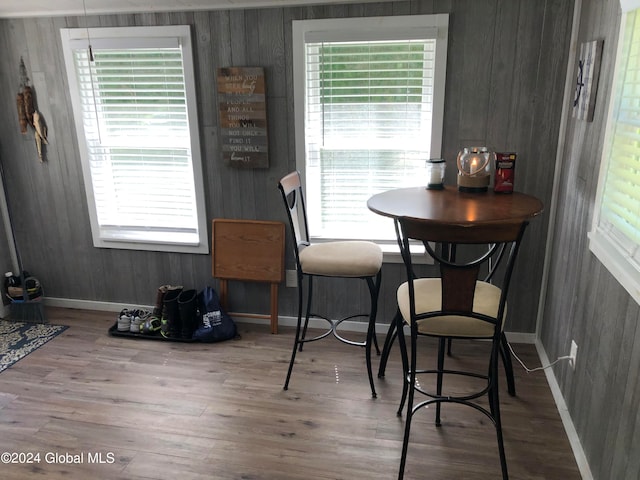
(19, 339)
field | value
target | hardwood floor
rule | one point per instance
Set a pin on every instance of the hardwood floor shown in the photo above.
(163, 410)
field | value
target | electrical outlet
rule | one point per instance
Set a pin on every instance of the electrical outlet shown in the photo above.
(573, 354)
(291, 278)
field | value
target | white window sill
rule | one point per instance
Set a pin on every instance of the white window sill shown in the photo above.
(617, 261)
(391, 254)
(179, 242)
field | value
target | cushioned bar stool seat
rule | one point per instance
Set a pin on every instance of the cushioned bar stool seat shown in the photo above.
(341, 259)
(428, 291)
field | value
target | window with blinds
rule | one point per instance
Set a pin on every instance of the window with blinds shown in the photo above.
(372, 115)
(615, 236)
(131, 102)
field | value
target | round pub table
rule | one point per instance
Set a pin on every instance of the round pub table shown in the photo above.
(449, 207)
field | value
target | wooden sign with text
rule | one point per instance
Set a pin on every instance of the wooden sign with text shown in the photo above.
(243, 117)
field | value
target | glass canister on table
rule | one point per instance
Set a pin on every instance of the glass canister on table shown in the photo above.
(435, 173)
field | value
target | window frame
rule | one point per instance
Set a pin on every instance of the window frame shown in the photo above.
(120, 238)
(603, 242)
(402, 27)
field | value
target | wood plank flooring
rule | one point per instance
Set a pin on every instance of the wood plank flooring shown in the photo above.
(161, 410)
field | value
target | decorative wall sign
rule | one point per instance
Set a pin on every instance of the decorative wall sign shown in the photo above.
(587, 80)
(243, 117)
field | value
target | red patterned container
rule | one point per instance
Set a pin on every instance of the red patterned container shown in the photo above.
(505, 172)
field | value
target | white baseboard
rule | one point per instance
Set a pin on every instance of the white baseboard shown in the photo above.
(89, 304)
(285, 321)
(567, 422)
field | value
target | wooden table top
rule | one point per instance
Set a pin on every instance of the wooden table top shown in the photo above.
(449, 206)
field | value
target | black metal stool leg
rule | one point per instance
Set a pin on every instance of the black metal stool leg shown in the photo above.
(495, 411)
(441, 348)
(374, 289)
(308, 314)
(297, 341)
(505, 353)
(398, 320)
(375, 342)
(374, 315)
(388, 343)
(412, 381)
(368, 359)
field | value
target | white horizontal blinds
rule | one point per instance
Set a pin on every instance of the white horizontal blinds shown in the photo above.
(368, 128)
(620, 213)
(134, 113)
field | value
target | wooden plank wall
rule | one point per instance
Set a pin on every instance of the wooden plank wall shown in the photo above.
(506, 68)
(6, 263)
(584, 302)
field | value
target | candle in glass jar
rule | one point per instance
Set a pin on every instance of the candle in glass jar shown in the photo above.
(473, 167)
(435, 176)
(435, 172)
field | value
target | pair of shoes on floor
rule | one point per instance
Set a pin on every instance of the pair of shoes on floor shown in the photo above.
(151, 325)
(138, 319)
(124, 321)
(134, 321)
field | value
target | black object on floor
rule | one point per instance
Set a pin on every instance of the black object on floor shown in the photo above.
(113, 330)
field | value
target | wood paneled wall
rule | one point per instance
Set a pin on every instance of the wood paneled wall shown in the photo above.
(506, 69)
(584, 302)
(6, 263)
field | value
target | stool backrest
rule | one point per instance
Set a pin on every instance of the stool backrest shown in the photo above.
(290, 187)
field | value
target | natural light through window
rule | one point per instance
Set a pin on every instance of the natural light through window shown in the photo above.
(369, 102)
(615, 236)
(134, 104)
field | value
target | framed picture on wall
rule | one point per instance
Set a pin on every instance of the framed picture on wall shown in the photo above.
(243, 117)
(587, 80)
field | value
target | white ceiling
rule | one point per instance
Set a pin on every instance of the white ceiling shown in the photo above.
(49, 8)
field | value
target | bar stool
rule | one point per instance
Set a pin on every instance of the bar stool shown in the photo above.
(459, 305)
(338, 259)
